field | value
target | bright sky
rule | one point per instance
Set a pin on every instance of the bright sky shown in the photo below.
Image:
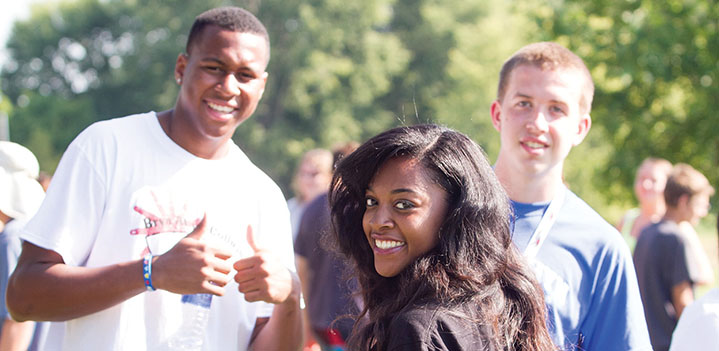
(10, 11)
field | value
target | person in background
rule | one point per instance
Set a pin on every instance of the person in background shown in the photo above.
(311, 179)
(20, 197)
(698, 327)
(426, 225)
(649, 185)
(157, 220)
(322, 273)
(542, 111)
(660, 256)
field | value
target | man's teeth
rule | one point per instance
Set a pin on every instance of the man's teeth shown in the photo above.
(534, 145)
(220, 108)
(387, 244)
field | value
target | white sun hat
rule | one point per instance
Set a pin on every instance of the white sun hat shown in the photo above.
(20, 192)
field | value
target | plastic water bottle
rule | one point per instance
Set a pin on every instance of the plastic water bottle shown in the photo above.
(195, 314)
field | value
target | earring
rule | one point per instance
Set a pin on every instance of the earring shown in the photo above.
(179, 80)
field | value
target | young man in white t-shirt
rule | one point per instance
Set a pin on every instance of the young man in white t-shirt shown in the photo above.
(147, 210)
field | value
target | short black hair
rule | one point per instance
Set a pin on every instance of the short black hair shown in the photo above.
(231, 18)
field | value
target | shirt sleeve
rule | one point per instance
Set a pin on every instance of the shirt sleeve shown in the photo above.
(316, 214)
(302, 239)
(615, 320)
(678, 267)
(69, 217)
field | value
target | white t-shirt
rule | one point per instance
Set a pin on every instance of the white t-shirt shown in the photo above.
(124, 186)
(698, 327)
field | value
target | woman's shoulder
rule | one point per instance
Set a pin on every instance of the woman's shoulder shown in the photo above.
(432, 327)
(414, 320)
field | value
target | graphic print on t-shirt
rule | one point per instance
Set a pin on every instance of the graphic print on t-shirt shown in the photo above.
(164, 217)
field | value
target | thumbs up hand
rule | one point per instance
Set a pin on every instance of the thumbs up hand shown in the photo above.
(192, 266)
(262, 277)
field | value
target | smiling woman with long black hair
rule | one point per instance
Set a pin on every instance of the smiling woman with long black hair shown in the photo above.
(421, 216)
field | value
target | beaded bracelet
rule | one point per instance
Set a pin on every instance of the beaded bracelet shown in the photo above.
(147, 272)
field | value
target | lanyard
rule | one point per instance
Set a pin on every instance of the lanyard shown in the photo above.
(545, 224)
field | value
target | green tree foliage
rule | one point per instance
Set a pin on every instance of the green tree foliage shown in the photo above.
(484, 35)
(345, 71)
(656, 67)
(339, 70)
(73, 63)
(331, 62)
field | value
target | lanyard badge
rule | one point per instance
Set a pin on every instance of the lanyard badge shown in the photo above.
(545, 224)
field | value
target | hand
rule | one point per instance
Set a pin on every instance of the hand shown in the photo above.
(262, 277)
(192, 266)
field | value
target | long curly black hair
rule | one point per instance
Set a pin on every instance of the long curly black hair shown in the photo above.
(474, 261)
